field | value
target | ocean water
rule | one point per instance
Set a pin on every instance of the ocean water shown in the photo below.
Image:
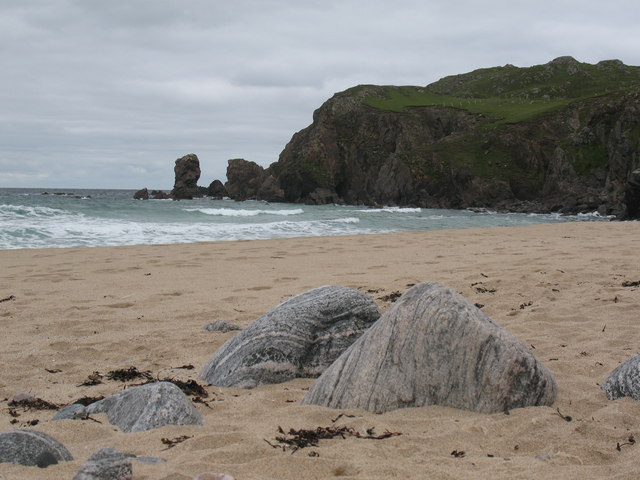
(37, 218)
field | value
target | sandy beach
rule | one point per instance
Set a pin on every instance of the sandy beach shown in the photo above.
(68, 313)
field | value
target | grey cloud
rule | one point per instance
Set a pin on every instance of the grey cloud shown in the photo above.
(108, 94)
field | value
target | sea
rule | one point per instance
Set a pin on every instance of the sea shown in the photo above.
(61, 218)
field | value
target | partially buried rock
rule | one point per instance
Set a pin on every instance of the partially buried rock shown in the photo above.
(106, 464)
(433, 347)
(624, 381)
(213, 476)
(299, 338)
(221, 326)
(31, 448)
(71, 412)
(148, 406)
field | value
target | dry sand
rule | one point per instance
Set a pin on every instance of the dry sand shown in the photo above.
(556, 287)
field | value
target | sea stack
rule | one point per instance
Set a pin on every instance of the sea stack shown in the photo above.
(187, 174)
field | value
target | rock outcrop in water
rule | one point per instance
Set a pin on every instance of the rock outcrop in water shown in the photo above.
(562, 136)
(187, 173)
(249, 181)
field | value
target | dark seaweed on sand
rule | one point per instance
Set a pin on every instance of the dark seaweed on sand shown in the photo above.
(34, 404)
(392, 297)
(302, 438)
(126, 374)
(190, 387)
(93, 379)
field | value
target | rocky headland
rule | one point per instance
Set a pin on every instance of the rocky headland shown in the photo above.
(559, 137)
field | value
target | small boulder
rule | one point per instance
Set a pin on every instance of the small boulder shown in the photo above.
(71, 412)
(299, 338)
(148, 406)
(31, 448)
(433, 347)
(106, 464)
(221, 326)
(624, 381)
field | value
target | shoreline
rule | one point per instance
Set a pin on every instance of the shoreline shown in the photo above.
(557, 287)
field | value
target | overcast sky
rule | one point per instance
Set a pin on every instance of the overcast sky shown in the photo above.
(107, 94)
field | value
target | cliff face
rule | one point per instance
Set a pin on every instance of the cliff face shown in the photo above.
(564, 136)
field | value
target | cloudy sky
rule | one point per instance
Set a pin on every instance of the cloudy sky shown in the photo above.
(107, 94)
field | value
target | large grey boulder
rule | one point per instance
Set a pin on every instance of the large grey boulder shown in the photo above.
(31, 448)
(106, 464)
(624, 381)
(148, 406)
(434, 347)
(300, 337)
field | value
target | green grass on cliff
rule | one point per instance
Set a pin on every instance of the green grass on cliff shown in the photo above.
(510, 94)
(497, 109)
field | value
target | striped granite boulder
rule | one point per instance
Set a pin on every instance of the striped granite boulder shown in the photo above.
(433, 347)
(299, 338)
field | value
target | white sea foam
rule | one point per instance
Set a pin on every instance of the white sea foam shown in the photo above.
(22, 211)
(113, 218)
(391, 210)
(232, 212)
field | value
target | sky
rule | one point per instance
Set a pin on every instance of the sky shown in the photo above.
(108, 94)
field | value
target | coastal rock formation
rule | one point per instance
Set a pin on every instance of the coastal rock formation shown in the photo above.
(187, 173)
(106, 464)
(624, 381)
(433, 347)
(217, 190)
(142, 194)
(249, 181)
(299, 338)
(562, 136)
(148, 406)
(31, 448)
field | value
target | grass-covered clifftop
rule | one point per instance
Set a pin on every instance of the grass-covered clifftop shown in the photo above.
(511, 94)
